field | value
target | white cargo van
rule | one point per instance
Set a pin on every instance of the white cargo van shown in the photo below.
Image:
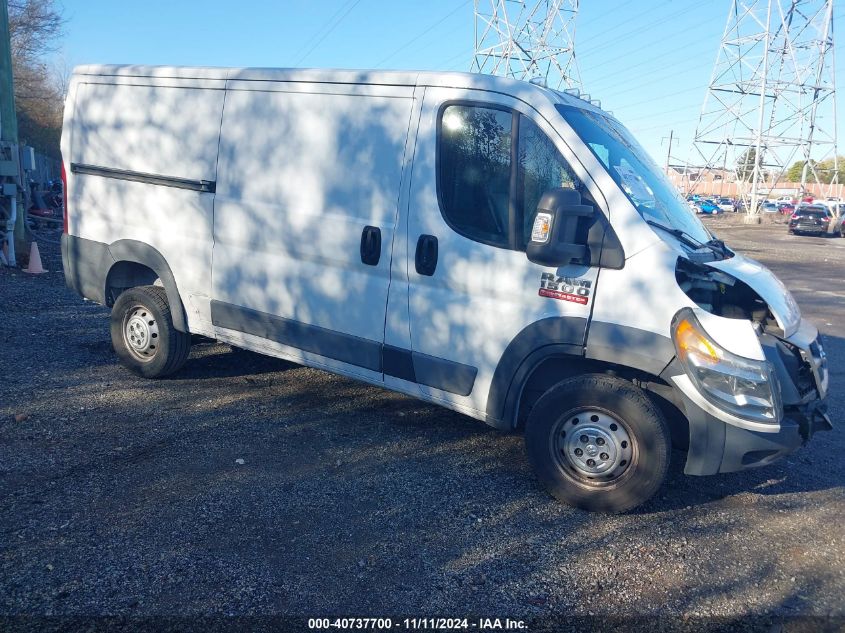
(502, 249)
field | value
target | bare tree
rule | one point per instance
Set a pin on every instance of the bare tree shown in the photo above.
(35, 28)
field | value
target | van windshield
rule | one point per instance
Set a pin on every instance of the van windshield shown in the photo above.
(634, 171)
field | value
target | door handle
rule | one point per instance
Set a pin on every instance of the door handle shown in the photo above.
(371, 245)
(425, 259)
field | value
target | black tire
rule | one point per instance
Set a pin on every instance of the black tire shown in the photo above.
(604, 402)
(143, 335)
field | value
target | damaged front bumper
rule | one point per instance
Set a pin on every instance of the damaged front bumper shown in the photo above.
(814, 418)
(721, 443)
(718, 447)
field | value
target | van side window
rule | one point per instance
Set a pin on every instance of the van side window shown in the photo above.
(541, 168)
(475, 172)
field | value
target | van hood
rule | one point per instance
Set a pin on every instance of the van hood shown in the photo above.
(781, 302)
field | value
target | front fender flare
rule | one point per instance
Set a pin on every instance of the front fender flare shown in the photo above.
(553, 336)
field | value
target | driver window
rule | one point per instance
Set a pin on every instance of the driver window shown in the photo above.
(474, 171)
(541, 168)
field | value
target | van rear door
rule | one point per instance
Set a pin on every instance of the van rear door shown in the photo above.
(305, 212)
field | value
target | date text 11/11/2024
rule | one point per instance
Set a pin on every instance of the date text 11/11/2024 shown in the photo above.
(418, 624)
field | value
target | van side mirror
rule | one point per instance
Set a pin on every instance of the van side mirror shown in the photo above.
(555, 225)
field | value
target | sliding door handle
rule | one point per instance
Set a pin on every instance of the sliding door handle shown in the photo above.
(426, 255)
(371, 245)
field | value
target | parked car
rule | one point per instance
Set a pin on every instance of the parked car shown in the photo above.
(708, 207)
(786, 208)
(770, 207)
(839, 226)
(726, 204)
(575, 299)
(812, 218)
(836, 207)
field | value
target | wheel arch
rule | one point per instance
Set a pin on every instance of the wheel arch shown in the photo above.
(554, 336)
(139, 264)
(537, 360)
(554, 368)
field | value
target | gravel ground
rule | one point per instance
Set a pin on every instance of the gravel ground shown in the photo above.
(249, 486)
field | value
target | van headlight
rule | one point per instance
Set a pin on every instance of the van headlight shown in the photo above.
(740, 386)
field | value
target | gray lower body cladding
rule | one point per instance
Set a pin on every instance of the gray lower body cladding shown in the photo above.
(88, 264)
(431, 371)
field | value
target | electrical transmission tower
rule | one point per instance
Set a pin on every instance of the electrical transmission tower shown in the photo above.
(527, 39)
(771, 99)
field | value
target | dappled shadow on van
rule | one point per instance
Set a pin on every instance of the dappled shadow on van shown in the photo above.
(292, 491)
(250, 485)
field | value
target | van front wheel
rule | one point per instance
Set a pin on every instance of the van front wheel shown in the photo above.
(598, 443)
(143, 335)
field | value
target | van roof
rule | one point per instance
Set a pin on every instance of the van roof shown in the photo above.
(373, 77)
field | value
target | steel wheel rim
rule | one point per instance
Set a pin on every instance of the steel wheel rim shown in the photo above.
(140, 333)
(593, 446)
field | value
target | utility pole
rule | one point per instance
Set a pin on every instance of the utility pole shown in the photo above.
(8, 117)
(668, 150)
(9, 157)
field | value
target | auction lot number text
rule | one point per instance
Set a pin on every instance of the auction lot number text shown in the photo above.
(418, 624)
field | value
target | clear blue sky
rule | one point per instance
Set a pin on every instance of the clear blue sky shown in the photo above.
(649, 61)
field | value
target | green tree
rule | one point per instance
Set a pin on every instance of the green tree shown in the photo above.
(827, 173)
(793, 174)
(824, 170)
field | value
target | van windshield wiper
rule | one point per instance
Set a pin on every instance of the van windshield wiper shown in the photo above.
(719, 247)
(716, 247)
(683, 237)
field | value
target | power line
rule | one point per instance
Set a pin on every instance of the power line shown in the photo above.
(425, 32)
(603, 18)
(331, 28)
(323, 27)
(642, 84)
(652, 115)
(623, 35)
(671, 94)
(649, 60)
(466, 53)
(636, 30)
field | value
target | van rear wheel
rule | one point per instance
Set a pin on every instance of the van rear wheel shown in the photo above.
(598, 443)
(143, 335)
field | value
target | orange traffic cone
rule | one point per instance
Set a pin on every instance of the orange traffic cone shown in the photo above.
(35, 266)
